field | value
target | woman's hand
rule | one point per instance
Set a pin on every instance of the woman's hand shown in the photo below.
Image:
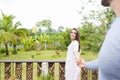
(82, 63)
(78, 61)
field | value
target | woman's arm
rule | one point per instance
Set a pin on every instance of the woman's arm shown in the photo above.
(76, 53)
(77, 57)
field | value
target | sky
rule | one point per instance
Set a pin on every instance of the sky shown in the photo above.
(61, 12)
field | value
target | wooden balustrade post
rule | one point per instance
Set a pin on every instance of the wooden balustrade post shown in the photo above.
(29, 71)
(94, 75)
(0, 70)
(61, 70)
(51, 68)
(18, 70)
(39, 69)
(7, 70)
(84, 74)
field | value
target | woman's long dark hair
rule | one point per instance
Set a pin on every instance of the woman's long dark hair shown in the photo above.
(77, 38)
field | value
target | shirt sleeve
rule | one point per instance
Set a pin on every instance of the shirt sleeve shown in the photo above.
(92, 65)
(75, 46)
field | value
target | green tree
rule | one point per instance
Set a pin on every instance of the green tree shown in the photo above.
(89, 37)
(45, 23)
(5, 39)
(60, 29)
(66, 37)
(6, 24)
(92, 35)
(44, 39)
(19, 33)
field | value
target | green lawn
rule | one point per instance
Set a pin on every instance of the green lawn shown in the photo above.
(43, 55)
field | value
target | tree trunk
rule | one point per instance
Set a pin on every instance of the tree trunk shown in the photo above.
(15, 51)
(7, 52)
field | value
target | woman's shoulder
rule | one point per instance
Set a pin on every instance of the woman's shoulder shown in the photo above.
(75, 41)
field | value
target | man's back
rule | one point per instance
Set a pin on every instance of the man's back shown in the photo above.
(109, 55)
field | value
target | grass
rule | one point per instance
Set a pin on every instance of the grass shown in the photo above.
(89, 56)
(43, 55)
(35, 55)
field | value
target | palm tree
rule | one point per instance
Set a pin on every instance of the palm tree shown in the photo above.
(6, 24)
(17, 34)
(5, 39)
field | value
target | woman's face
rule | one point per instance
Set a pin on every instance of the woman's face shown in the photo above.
(73, 34)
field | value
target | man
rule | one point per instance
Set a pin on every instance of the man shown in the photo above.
(108, 62)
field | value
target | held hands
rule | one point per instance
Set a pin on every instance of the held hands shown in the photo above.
(80, 62)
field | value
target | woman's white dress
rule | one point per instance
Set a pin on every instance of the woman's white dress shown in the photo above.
(71, 69)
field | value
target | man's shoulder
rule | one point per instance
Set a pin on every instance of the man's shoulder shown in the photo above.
(117, 21)
(116, 24)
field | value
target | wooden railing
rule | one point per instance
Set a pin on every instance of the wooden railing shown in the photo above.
(32, 70)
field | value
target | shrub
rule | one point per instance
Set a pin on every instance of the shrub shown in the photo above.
(2, 50)
(46, 77)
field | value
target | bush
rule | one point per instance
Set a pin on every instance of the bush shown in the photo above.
(14, 52)
(2, 50)
(10, 49)
(46, 77)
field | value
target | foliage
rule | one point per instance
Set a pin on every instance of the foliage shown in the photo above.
(92, 36)
(5, 26)
(29, 43)
(46, 77)
(45, 23)
(2, 50)
(10, 32)
(66, 37)
(60, 29)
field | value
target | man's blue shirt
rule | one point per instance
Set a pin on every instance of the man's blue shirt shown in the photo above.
(108, 62)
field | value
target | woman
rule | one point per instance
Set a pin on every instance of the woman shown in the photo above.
(72, 71)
